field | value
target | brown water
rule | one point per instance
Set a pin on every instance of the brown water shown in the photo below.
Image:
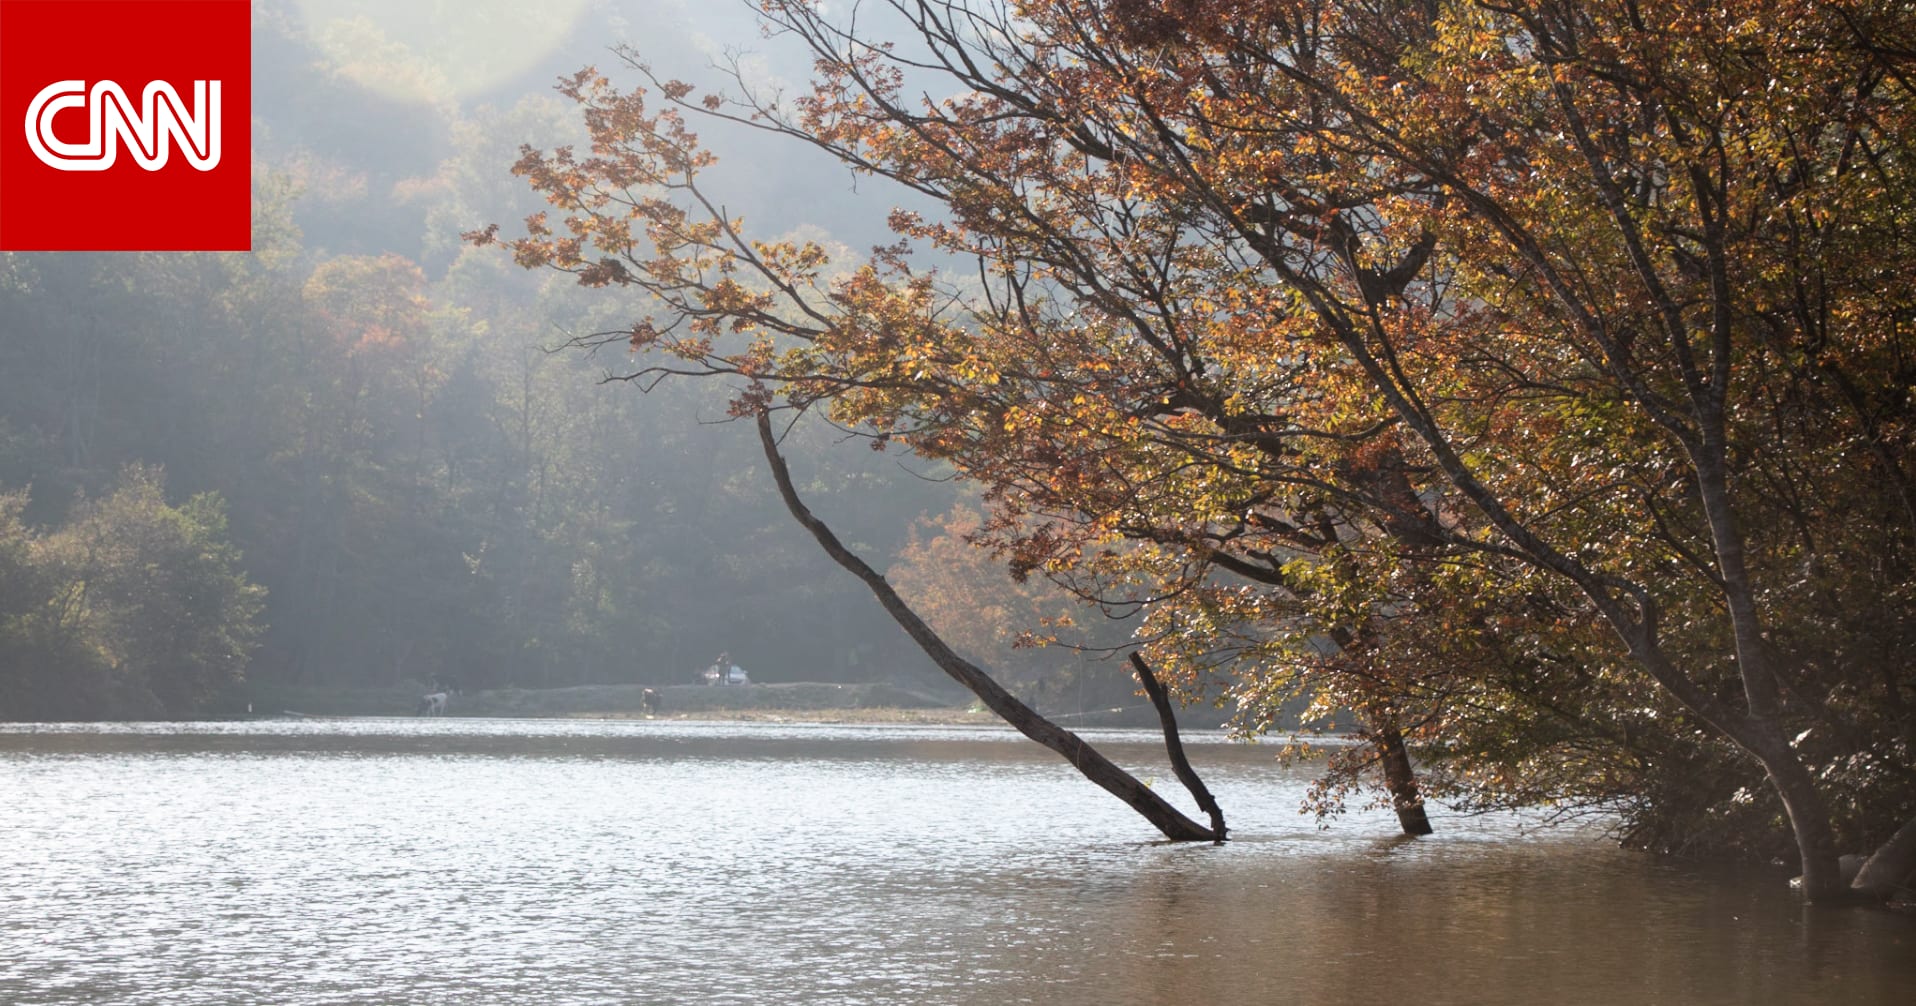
(449, 861)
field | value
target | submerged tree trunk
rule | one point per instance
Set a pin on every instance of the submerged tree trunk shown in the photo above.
(1380, 730)
(1400, 778)
(1174, 746)
(1086, 759)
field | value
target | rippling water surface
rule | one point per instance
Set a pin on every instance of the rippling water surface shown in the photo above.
(465, 861)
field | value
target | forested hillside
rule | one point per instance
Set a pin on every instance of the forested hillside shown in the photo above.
(368, 427)
(421, 488)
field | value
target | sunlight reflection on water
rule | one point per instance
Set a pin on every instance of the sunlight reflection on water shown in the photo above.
(470, 861)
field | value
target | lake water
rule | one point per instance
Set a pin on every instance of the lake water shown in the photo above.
(505, 861)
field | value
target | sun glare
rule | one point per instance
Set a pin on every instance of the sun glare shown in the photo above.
(437, 50)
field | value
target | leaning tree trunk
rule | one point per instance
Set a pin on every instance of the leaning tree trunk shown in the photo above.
(1803, 805)
(1399, 777)
(1174, 746)
(1082, 756)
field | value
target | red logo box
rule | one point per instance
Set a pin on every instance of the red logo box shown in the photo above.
(126, 125)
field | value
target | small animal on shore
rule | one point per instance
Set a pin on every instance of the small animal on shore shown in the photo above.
(649, 701)
(433, 704)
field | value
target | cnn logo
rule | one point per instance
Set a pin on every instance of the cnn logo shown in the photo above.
(112, 118)
(127, 125)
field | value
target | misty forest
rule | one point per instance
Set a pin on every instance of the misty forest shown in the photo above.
(1488, 409)
(380, 469)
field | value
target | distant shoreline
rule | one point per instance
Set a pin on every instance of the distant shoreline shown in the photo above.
(953, 716)
(778, 702)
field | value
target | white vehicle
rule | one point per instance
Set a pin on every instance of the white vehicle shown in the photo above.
(726, 674)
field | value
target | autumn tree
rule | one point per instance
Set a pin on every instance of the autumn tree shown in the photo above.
(1575, 321)
(1043, 435)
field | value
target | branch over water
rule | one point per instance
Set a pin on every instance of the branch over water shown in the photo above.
(1085, 758)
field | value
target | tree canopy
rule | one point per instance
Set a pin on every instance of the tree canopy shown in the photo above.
(1529, 379)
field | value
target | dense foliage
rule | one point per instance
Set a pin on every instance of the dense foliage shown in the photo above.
(1530, 380)
(133, 608)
